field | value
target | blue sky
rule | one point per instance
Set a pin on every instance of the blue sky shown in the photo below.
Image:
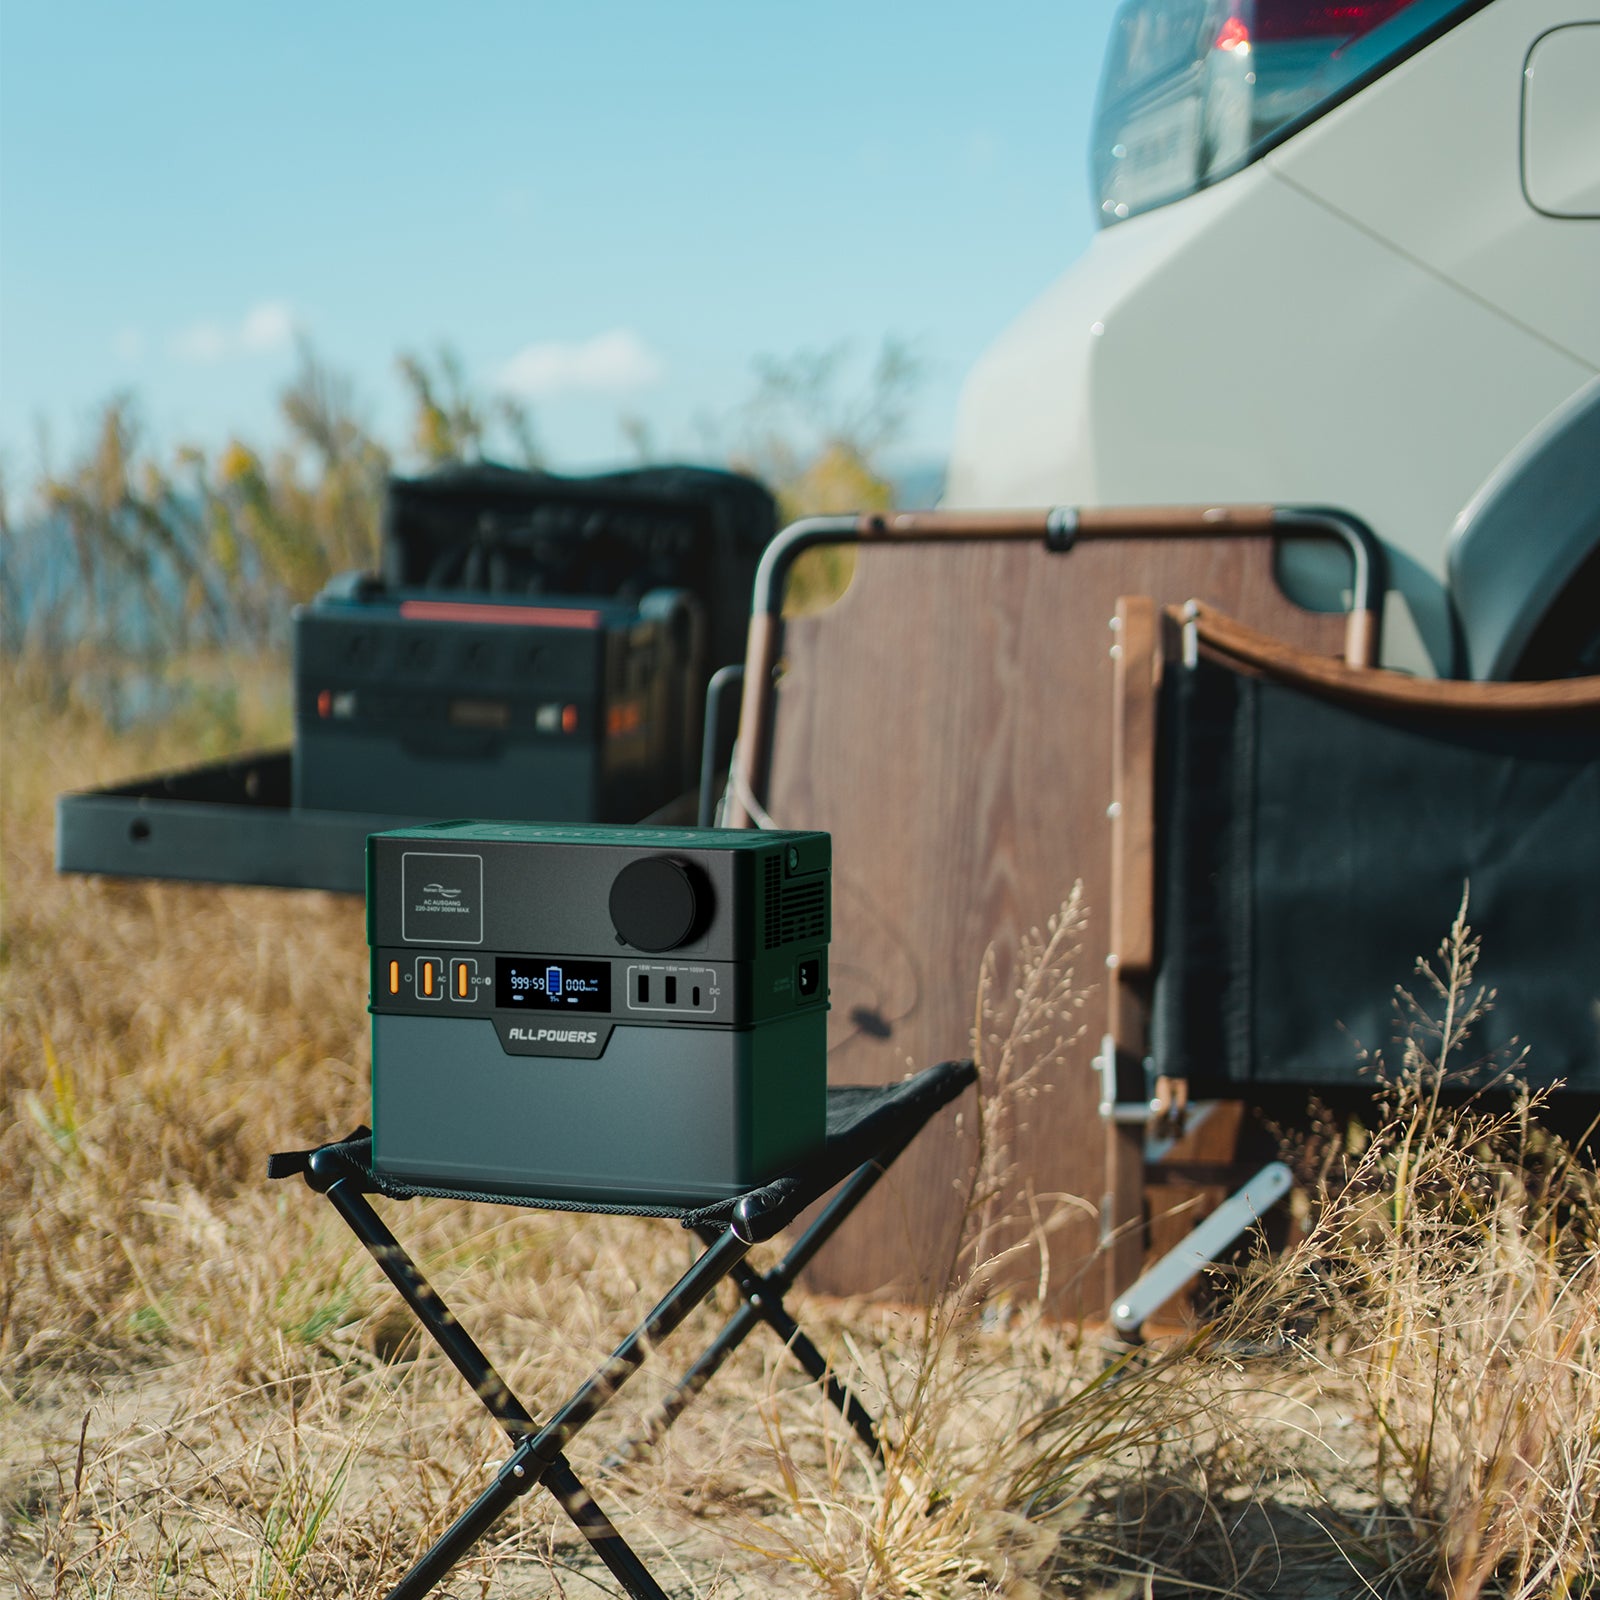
(606, 208)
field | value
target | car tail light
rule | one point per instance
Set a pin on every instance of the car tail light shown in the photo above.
(1231, 35)
(1193, 90)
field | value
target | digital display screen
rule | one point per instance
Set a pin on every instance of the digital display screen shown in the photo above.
(551, 983)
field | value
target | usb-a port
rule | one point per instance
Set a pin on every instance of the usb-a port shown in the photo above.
(643, 989)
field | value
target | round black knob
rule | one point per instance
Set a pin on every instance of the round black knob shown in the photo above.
(655, 903)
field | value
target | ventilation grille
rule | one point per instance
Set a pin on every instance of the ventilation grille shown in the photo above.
(797, 912)
(774, 898)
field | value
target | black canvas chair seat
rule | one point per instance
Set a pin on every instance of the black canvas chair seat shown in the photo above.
(867, 1129)
(1316, 833)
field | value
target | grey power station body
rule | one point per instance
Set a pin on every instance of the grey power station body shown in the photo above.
(612, 1015)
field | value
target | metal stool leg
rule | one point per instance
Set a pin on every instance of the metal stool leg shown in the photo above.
(514, 1480)
(763, 1302)
(434, 1315)
(462, 1350)
(538, 1458)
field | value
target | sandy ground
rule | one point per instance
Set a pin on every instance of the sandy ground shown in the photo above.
(169, 1458)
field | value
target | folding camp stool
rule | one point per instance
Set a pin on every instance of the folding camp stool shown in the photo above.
(867, 1129)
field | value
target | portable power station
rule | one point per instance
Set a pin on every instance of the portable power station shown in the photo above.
(425, 704)
(598, 1014)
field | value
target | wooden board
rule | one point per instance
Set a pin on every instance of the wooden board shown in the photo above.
(949, 722)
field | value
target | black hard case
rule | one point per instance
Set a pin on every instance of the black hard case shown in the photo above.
(571, 711)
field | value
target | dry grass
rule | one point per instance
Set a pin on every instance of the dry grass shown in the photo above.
(204, 1388)
(1453, 1277)
(1407, 1401)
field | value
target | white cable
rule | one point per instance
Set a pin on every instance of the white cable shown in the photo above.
(740, 785)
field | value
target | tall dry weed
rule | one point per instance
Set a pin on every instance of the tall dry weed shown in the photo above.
(1451, 1277)
(958, 1376)
(1405, 1403)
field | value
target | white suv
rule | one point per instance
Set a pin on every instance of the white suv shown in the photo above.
(1349, 255)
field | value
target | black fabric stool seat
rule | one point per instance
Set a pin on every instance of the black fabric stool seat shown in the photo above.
(867, 1129)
